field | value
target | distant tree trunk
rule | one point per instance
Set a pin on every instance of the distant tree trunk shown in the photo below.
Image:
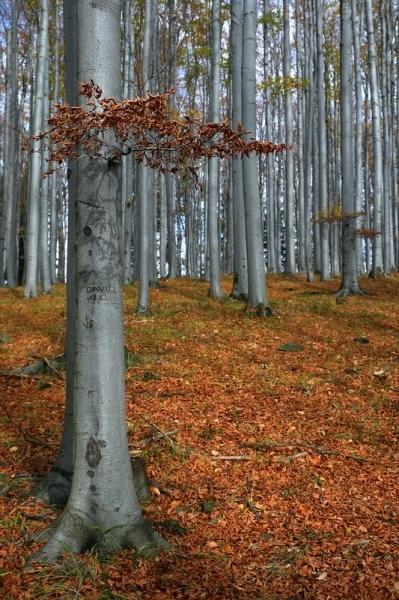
(127, 162)
(169, 178)
(308, 145)
(215, 290)
(240, 283)
(44, 256)
(289, 158)
(386, 60)
(356, 32)
(144, 200)
(322, 146)
(11, 160)
(349, 283)
(32, 237)
(300, 149)
(163, 234)
(377, 269)
(257, 298)
(54, 181)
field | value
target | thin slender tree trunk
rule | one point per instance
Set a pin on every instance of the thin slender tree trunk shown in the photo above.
(32, 237)
(169, 178)
(144, 266)
(54, 181)
(127, 162)
(289, 157)
(300, 148)
(322, 146)
(215, 290)
(308, 144)
(11, 160)
(44, 258)
(240, 284)
(356, 32)
(377, 268)
(349, 283)
(257, 298)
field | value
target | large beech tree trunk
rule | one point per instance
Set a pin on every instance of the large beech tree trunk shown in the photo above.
(102, 508)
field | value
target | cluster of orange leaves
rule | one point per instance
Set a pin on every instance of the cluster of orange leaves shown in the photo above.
(366, 232)
(110, 129)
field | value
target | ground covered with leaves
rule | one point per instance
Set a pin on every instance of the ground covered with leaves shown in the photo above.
(278, 474)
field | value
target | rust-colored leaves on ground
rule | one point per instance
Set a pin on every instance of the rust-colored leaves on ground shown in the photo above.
(277, 478)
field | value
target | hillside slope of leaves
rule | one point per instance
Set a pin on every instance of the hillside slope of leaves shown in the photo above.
(278, 476)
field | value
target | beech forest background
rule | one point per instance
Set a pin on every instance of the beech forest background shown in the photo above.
(298, 102)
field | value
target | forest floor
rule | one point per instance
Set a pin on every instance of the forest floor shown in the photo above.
(307, 399)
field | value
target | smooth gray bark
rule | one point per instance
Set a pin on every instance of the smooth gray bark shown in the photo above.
(56, 486)
(215, 290)
(300, 149)
(127, 161)
(387, 131)
(257, 298)
(169, 178)
(356, 27)
(11, 159)
(289, 157)
(163, 233)
(143, 306)
(33, 224)
(349, 284)
(102, 508)
(308, 145)
(322, 146)
(377, 268)
(54, 181)
(44, 256)
(240, 284)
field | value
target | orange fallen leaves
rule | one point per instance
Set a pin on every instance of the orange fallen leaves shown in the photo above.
(317, 526)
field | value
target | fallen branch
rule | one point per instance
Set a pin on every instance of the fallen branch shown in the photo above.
(50, 366)
(163, 434)
(32, 369)
(317, 449)
(229, 458)
(158, 436)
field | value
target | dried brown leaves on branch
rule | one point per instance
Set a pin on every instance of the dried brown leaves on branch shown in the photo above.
(110, 129)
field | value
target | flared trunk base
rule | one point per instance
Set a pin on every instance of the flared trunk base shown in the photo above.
(75, 532)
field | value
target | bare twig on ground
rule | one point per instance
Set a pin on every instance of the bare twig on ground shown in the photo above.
(318, 449)
(50, 366)
(238, 457)
(163, 434)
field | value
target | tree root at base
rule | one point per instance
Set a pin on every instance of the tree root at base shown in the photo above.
(73, 533)
(346, 291)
